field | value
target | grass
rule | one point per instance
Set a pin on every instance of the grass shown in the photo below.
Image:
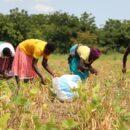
(104, 102)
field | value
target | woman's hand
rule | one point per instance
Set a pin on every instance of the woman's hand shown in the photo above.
(54, 75)
(93, 71)
(43, 81)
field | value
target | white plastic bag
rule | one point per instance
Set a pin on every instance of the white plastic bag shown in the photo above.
(62, 86)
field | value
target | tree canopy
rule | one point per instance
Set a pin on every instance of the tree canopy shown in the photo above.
(63, 29)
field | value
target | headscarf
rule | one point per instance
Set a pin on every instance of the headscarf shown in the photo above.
(94, 53)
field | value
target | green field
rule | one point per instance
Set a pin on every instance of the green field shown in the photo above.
(103, 103)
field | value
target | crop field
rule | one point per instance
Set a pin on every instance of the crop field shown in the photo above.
(103, 102)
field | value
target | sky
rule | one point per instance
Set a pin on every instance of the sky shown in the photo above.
(102, 10)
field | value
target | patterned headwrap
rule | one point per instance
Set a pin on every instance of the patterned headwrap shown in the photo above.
(95, 53)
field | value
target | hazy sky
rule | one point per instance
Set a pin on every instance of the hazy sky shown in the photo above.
(101, 9)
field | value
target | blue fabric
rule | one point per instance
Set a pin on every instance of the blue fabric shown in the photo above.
(74, 63)
(73, 49)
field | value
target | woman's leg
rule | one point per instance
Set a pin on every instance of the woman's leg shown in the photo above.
(26, 80)
(17, 81)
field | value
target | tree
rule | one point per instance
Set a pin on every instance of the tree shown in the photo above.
(115, 34)
(21, 25)
(87, 23)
